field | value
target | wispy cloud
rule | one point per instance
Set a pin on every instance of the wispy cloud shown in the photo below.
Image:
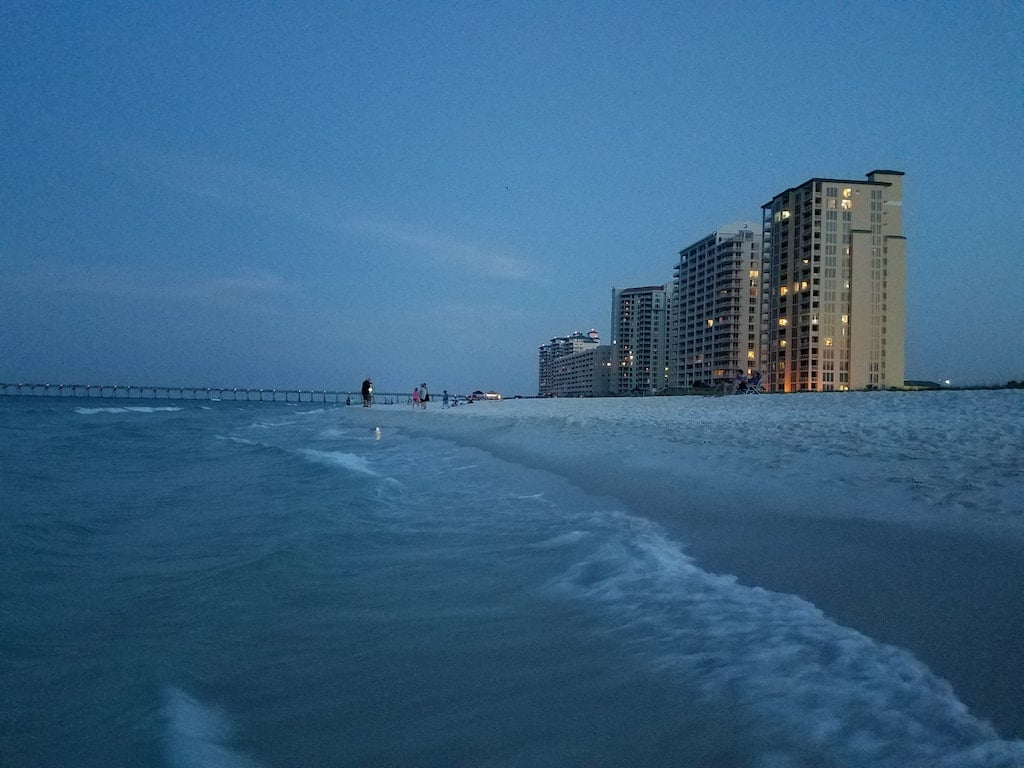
(243, 187)
(262, 289)
(445, 250)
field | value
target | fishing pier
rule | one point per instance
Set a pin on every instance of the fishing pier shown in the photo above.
(134, 392)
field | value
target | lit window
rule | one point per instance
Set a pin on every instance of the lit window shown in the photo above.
(803, 285)
(710, 322)
(783, 321)
(847, 192)
(828, 341)
(845, 318)
(847, 205)
(783, 290)
(782, 342)
(750, 356)
(754, 273)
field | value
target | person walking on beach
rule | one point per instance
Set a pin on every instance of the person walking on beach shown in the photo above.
(444, 399)
(415, 398)
(367, 392)
(424, 396)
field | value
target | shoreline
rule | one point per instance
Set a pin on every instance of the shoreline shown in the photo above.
(947, 594)
(947, 598)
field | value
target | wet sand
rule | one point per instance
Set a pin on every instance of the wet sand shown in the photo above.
(953, 598)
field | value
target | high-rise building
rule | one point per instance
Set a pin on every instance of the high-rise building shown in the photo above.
(577, 365)
(639, 340)
(836, 262)
(715, 322)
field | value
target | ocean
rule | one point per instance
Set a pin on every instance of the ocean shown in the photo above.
(738, 582)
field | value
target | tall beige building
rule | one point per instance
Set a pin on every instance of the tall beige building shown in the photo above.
(715, 321)
(836, 283)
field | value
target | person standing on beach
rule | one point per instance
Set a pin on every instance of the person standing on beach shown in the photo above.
(367, 392)
(424, 396)
(415, 398)
(444, 399)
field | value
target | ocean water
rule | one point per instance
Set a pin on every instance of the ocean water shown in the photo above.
(524, 583)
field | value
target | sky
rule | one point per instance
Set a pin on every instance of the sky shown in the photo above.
(301, 195)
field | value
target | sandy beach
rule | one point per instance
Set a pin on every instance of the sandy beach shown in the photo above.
(902, 529)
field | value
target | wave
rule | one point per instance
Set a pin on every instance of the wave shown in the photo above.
(349, 461)
(813, 684)
(562, 540)
(234, 439)
(126, 409)
(198, 735)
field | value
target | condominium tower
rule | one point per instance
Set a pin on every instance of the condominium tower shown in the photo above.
(576, 365)
(715, 322)
(836, 261)
(639, 351)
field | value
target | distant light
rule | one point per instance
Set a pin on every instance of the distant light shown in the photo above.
(947, 382)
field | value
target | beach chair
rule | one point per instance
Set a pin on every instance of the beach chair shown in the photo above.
(754, 385)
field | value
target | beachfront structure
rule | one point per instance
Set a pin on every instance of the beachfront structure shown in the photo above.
(836, 259)
(576, 365)
(639, 339)
(715, 323)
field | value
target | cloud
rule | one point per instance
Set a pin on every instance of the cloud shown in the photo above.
(445, 250)
(238, 186)
(265, 289)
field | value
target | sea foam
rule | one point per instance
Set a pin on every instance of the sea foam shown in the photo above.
(349, 461)
(780, 658)
(126, 409)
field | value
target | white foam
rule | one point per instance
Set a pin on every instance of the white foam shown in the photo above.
(564, 540)
(349, 461)
(831, 688)
(126, 409)
(272, 424)
(198, 735)
(233, 439)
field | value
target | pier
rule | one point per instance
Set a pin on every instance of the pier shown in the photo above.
(134, 392)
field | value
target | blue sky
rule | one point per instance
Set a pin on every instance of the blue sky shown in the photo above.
(305, 194)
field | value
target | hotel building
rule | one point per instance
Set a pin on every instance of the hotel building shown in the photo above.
(577, 365)
(836, 265)
(639, 351)
(715, 323)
